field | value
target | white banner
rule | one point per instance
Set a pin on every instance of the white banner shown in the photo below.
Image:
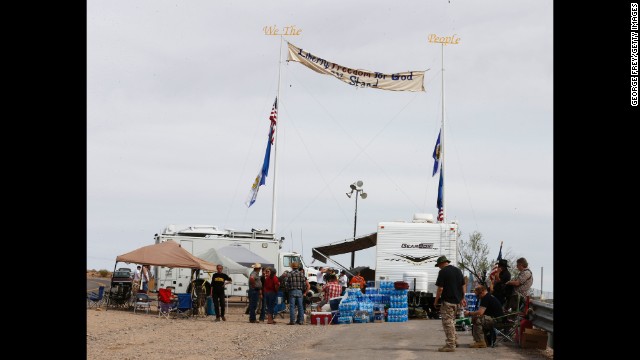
(403, 81)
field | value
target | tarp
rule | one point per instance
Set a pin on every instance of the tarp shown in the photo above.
(244, 256)
(168, 254)
(350, 245)
(230, 266)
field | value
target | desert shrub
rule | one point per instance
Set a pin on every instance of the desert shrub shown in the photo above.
(104, 273)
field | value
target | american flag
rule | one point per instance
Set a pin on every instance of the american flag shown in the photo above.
(274, 119)
(439, 202)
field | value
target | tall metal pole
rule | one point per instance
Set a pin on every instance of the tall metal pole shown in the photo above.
(275, 152)
(442, 142)
(541, 273)
(355, 222)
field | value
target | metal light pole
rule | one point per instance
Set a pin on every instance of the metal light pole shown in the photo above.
(357, 187)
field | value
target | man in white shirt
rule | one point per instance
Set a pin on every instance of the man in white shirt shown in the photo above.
(320, 276)
(136, 274)
(136, 278)
(343, 280)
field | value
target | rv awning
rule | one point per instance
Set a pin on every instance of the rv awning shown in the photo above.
(364, 242)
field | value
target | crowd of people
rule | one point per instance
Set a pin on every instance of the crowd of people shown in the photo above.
(264, 285)
(503, 296)
(506, 296)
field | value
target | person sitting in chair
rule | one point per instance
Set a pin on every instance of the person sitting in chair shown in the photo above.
(483, 318)
(522, 284)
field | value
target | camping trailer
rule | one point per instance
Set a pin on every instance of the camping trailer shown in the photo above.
(407, 251)
(235, 250)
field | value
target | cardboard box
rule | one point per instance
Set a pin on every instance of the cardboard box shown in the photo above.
(534, 339)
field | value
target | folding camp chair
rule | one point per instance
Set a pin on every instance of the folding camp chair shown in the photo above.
(94, 299)
(185, 305)
(167, 302)
(142, 302)
(507, 327)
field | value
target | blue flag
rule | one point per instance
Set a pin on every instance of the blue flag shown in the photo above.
(439, 203)
(436, 155)
(262, 175)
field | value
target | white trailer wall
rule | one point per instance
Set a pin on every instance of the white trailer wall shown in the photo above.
(414, 248)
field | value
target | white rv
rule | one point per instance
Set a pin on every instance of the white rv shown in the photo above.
(235, 250)
(407, 251)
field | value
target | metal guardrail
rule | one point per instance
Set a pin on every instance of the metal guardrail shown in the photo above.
(543, 318)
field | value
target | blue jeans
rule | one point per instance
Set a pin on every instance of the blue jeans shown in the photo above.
(254, 296)
(295, 298)
(269, 303)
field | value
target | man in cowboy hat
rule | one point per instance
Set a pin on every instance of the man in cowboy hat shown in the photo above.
(450, 285)
(255, 291)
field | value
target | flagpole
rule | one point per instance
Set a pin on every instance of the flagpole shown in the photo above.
(275, 155)
(442, 152)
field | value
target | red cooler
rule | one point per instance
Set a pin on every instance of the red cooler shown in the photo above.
(320, 318)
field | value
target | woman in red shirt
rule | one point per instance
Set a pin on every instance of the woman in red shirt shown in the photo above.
(270, 286)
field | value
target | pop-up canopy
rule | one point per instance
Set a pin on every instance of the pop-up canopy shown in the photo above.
(168, 254)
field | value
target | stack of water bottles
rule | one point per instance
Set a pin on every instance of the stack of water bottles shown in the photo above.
(347, 309)
(398, 303)
(357, 307)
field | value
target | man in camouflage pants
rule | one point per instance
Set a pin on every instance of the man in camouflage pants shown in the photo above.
(450, 285)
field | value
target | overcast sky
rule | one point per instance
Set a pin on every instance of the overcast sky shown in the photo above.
(179, 95)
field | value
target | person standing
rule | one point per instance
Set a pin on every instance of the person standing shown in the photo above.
(145, 278)
(270, 286)
(483, 318)
(499, 281)
(298, 285)
(522, 284)
(343, 280)
(255, 291)
(218, 282)
(320, 279)
(136, 279)
(450, 283)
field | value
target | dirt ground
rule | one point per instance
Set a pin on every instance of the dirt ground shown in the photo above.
(121, 334)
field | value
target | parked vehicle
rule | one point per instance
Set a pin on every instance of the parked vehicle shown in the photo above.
(235, 250)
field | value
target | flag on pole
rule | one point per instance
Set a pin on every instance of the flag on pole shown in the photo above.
(262, 175)
(436, 155)
(494, 270)
(439, 203)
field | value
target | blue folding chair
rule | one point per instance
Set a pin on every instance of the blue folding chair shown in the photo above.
(185, 305)
(280, 307)
(95, 300)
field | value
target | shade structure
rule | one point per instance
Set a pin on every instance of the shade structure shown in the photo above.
(364, 242)
(168, 254)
